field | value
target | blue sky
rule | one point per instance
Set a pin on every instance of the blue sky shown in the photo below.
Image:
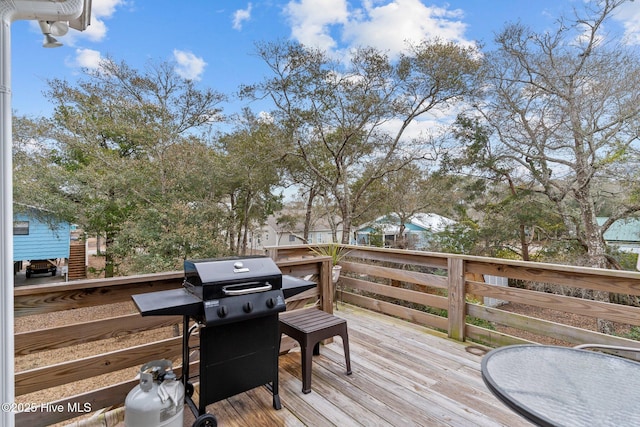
(211, 41)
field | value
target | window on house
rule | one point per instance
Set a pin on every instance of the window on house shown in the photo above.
(20, 228)
(292, 238)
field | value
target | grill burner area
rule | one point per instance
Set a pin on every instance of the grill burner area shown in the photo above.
(235, 303)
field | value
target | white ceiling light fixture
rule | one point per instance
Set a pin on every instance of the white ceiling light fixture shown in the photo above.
(51, 29)
(50, 41)
(58, 28)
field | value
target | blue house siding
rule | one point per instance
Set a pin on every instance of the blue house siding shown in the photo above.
(42, 242)
(417, 231)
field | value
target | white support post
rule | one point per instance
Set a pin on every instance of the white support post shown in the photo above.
(7, 389)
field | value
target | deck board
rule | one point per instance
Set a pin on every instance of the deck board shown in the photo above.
(403, 375)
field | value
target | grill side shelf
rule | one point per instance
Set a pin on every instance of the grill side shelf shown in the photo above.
(168, 303)
(293, 286)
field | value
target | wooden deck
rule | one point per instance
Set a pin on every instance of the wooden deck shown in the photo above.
(403, 375)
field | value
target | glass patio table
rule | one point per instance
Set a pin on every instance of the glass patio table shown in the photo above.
(562, 386)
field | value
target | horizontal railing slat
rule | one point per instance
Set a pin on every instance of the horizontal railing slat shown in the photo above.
(400, 257)
(47, 299)
(399, 293)
(88, 367)
(491, 337)
(585, 307)
(415, 277)
(546, 328)
(623, 282)
(65, 336)
(406, 313)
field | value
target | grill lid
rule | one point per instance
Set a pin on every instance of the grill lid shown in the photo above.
(207, 277)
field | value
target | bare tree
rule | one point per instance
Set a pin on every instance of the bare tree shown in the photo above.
(347, 122)
(564, 107)
(565, 110)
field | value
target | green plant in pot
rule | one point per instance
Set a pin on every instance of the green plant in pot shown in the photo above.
(336, 252)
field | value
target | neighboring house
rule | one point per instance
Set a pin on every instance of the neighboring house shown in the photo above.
(274, 234)
(38, 239)
(416, 233)
(624, 234)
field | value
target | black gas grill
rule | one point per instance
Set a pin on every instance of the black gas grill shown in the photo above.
(235, 289)
(235, 304)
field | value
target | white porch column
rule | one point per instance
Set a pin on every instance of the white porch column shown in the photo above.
(6, 225)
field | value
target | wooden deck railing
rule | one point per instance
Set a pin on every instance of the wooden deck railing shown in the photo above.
(124, 342)
(447, 292)
(442, 291)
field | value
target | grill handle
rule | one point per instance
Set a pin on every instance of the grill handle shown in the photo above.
(245, 291)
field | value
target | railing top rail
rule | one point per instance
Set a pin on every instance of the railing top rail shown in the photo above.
(97, 283)
(479, 260)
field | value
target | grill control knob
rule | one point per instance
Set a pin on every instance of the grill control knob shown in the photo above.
(223, 311)
(248, 307)
(271, 302)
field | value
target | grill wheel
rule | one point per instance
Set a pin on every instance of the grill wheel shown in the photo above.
(205, 420)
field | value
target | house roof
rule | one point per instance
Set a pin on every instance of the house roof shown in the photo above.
(417, 222)
(623, 230)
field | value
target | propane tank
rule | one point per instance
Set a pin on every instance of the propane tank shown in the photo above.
(158, 400)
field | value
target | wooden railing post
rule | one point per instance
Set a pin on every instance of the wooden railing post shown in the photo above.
(456, 294)
(272, 252)
(326, 286)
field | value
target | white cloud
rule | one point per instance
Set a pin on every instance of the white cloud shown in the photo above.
(240, 16)
(311, 21)
(88, 58)
(629, 16)
(189, 66)
(105, 8)
(384, 24)
(96, 32)
(101, 10)
(390, 26)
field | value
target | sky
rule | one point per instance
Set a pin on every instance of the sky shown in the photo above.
(213, 41)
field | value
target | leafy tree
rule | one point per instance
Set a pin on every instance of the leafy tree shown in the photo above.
(460, 238)
(346, 121)
(185, 217)
(37, 180)
(512, 212)
(407, 192)
(250, 172)
(564, 109)
(115, 133)
(286, 223)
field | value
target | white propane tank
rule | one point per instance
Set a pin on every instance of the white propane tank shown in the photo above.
(158, 401)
